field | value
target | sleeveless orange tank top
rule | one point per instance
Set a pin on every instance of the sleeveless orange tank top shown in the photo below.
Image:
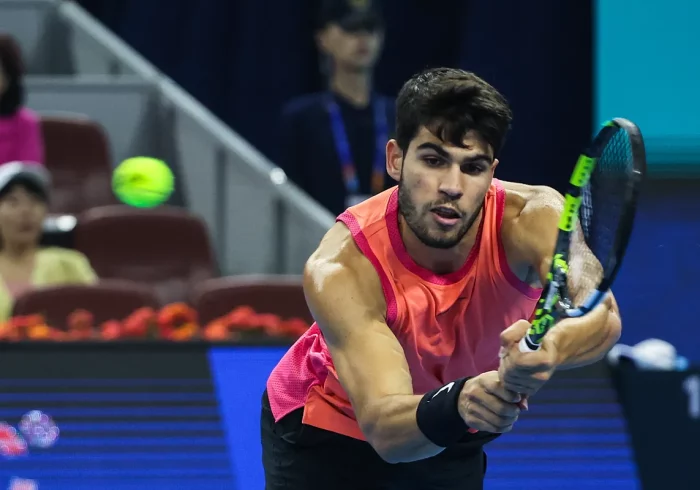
(448, 325)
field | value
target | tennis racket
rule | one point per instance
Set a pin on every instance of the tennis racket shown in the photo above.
(600, 204)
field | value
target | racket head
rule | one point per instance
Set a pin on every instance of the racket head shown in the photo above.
(607, 175)
(620, 141)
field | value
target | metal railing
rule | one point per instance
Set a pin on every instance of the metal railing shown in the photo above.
(259, 221)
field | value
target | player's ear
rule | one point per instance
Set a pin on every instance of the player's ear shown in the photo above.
(394, 160)
(494, 165)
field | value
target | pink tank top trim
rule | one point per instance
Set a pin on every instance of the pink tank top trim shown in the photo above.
(361, 240)
(392, 223)
(508, 274)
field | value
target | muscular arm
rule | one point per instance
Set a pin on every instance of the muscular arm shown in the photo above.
(345, 297)
(578, 341)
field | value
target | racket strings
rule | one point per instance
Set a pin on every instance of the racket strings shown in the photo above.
(584, 266)
(604, 202)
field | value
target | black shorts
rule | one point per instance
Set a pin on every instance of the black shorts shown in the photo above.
(302, 457)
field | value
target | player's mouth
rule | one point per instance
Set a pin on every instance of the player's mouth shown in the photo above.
(446, 215)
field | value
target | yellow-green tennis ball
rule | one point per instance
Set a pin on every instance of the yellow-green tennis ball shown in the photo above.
(143, 182)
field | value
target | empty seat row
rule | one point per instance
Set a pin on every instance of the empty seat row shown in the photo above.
(167, 248)
(76, 152)
(115, 300)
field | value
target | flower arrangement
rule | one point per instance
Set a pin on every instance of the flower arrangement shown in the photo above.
(176, 322)
(244, 323)
(30, 327)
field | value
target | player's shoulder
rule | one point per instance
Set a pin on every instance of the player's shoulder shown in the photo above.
(337, 255)
(529, 218)
(338, 263)
(527, 204)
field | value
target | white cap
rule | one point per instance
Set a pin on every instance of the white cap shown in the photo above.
(34, 172)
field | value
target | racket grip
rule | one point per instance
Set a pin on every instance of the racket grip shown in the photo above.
(524, 346)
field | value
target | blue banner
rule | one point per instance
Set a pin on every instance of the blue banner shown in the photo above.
(156, 417)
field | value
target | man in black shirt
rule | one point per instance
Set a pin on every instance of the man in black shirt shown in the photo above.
(333, 143)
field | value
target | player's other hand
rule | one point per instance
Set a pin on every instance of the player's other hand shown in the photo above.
(486, 405)
(525, 372)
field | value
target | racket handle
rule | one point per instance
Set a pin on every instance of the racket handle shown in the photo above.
(524, 346)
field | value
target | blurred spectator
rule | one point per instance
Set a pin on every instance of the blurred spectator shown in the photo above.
(23, 264)
(20, 131)
(333, 143)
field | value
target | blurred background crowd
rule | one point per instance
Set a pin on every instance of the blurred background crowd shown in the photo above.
(273, 117)
(78, 100)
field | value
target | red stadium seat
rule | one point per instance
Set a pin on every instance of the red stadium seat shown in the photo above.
(77, 155)
(280, 295)
(166, 248)
(110, 300)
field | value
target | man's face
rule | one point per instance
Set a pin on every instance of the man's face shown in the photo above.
(442, 186)
(352, 50)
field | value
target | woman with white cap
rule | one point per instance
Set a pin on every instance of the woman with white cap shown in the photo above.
(24, 265)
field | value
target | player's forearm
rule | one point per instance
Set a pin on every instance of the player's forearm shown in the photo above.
(585, 340)
(393, 432)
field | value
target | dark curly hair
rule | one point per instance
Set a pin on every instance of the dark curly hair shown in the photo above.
(13, 69)
(449, 102)
(28, 185)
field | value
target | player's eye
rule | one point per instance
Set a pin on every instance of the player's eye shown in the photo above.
(432, 161)
(473, 168)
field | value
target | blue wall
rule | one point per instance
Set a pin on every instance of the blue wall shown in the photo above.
(647, 70)
(658, 287)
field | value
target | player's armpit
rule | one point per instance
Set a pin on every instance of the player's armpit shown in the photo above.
(577, 341)
(346, 299)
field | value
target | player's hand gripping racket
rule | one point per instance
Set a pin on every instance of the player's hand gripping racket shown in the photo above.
(602, 197)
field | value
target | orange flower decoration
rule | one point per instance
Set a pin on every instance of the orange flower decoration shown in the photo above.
(217, 331)
(269, 323)
(140, 324)
(188, 331)
(80, 325)
(8, 333)
(40, 332)
(19, 326)
(111, 330)
(178, 321)
(242, 318)
(294, 327)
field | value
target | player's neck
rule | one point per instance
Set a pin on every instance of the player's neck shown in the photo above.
(353, 85)
(439, 261)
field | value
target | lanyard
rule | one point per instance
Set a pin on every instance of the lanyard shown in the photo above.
(342, 145)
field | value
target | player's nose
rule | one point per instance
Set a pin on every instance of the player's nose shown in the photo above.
(451, 183)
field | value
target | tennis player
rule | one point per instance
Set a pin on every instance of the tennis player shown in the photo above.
(399, 384)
